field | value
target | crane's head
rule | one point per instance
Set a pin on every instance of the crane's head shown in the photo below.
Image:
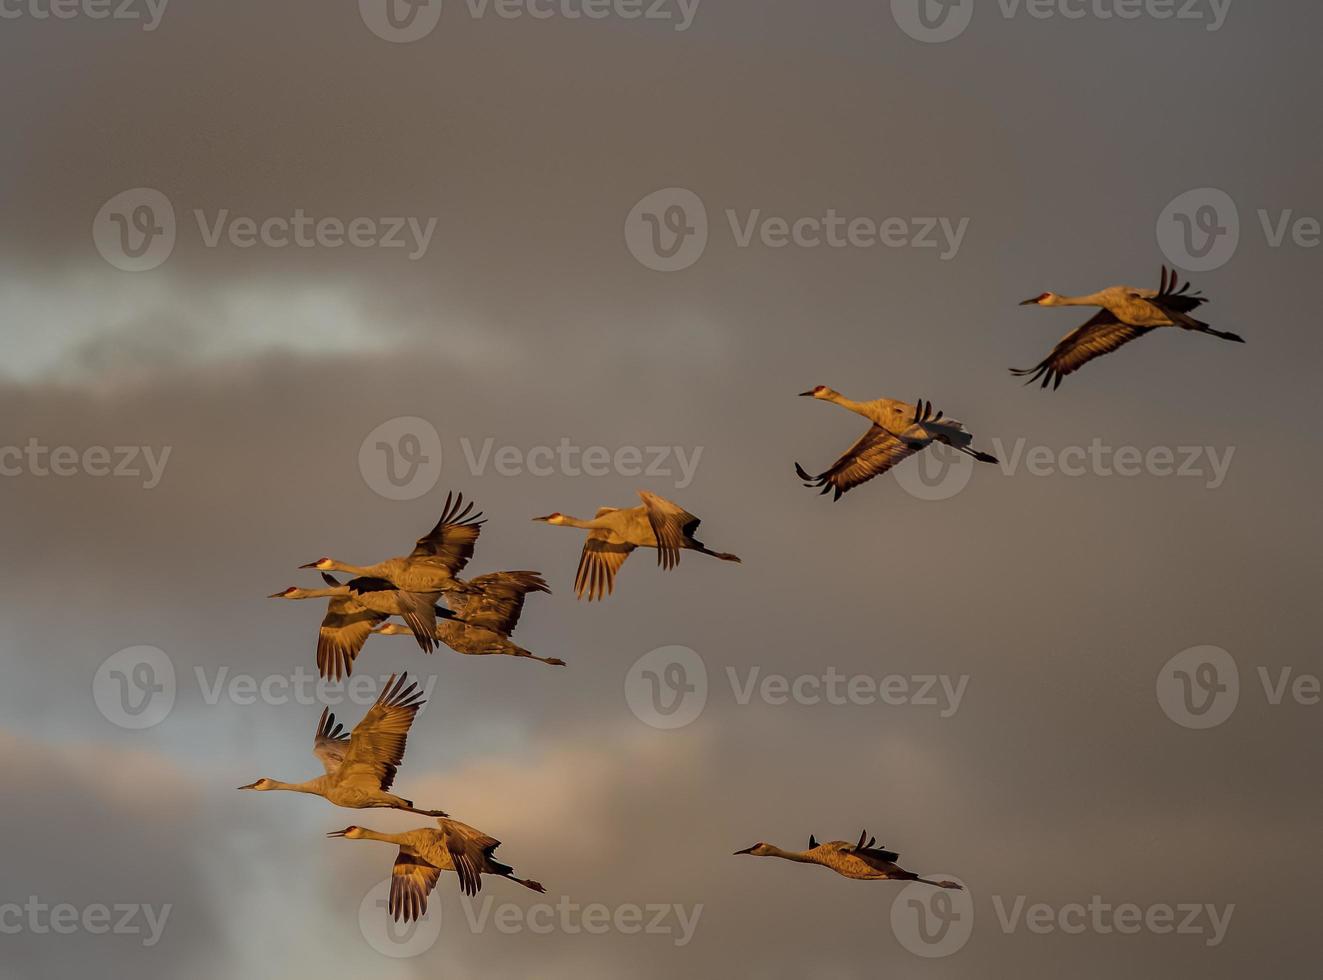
(821, 391)
(758, 850)
(325, 564)
(1042, 299)
(353, 833)
(556, 518)
(291, 593)
(261, 784)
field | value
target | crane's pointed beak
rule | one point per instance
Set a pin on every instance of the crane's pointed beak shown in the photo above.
(1032, 302)
(250, 785)
(278, 595)
(544, 520)
(807, 394)
(338, 833)
(747, 850)
(311, 564)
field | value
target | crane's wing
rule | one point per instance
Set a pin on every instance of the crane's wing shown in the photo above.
(469, 850)
(494, 601)
(671, 524)
(1101, 335)
(1177, 303)
(417, 609)
(376, 746)
(411, 881)
(603, 554)
(875, 857)
(451, 542)
(875, 453)
(329, 745)
(345, 628)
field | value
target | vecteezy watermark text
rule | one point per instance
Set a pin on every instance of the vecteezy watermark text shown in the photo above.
(136, 230)
(39, 918)
(668, 230)
(120, 462)
(668, 688)
(149, 12)
(400, 940)
(403, 21)
(401, 459)
(1200, 687)
(937, 21)
(136, 688)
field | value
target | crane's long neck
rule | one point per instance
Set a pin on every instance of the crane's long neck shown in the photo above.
(1093, 299)
(838, 399)
(365, 834)
(799, 856)
(340, 566)
(595, 524)
(319, 593)
(313, 786)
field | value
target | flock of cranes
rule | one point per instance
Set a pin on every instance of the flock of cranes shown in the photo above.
(476, 617)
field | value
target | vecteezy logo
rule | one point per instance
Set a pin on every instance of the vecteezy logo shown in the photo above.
(667, 230)
(1200, 230)
(401, 459)
(933, 21)
(398, 940)
(1199, 687)
(400, 21)
(667, 688)
(135, 230)
(135, 688)
(932, 922)
(937, 474)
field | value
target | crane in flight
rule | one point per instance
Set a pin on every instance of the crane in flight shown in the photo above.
(898, 431)
(424, 853)
(361, 766)
(437, 557)
(485, 616)
(862, 861)
(1126, 313)
(358, 605)
(614, 533)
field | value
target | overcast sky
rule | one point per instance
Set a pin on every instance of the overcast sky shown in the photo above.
(202, 298)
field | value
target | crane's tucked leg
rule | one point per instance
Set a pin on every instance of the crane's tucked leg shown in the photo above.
(939, 884)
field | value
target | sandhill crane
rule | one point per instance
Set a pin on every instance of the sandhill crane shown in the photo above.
(487, 616)
(354, 608)
(436, 559)
(1126, 313)
(360, 767)
(614, 533)
(899, 431)
(862, 860)
(424, 853)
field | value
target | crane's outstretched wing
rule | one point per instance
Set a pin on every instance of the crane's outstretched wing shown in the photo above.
(1101, 335)
(330, 745)
(876, 452)
(376, 745)
(417, 609)
(603, 554)
(411, 881)
(469, 850)
(671, 524)
(345, 628)
(450, 544)
(494, 602)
